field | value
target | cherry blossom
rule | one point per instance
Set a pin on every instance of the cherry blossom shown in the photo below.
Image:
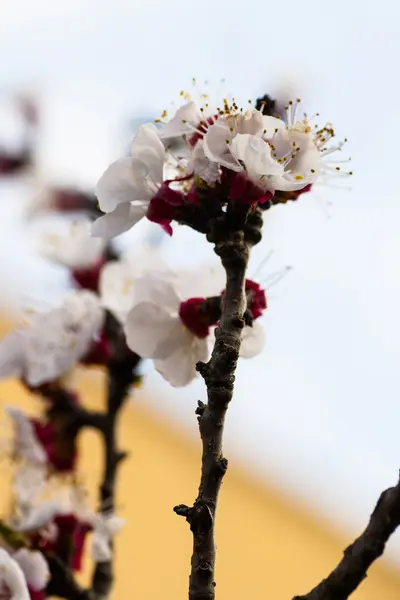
(35, 568)
(13, 584)
(105, 528)
(171, 326)
(26, 443)
(76, 248)
(160, 327)
(283, 155)
(53, 342)
(117, 278)
(129, 186)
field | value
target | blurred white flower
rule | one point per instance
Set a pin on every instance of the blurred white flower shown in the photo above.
(53, 342)
(253, 340)
(105, 528)
(34, 566)
(125, 189)
(42, 514)
(76, 248)
(117, 278)
(26, 444)
(28, 483)
(13, 584)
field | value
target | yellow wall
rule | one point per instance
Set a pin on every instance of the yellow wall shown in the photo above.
(267, 547)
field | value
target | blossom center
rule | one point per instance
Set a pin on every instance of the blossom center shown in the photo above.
(256, 298)
(193, 316)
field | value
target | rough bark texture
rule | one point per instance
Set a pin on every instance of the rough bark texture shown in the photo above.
(233, 247)
(360, 555)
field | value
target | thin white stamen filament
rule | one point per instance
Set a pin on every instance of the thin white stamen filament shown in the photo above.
(262, 264)
(274, 278)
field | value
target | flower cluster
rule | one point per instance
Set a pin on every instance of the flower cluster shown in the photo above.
(241, 155)
(125, 306)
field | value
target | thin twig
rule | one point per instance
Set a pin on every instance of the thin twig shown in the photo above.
(360, 555)
(232, 245)
(121, 374)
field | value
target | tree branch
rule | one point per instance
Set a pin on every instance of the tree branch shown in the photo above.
(62, 583)
(121, 374)
(360, 555)
(232, 244)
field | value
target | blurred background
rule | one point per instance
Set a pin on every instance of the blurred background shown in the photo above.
(312, 434)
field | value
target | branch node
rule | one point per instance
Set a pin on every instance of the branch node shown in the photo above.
(182, 510)
(223, 465)
(203, 369)
(200, 408)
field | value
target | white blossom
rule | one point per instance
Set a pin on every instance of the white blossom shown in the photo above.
(34, 566)
(105, 528)
(26, 444)
(155, 330)
(253, 340)
(42, 514)
(117, 278)
(127, 186)
(13, 585)
(53, 342)
(278, 154)
(75, 248)
(185, 122)
(202, 166)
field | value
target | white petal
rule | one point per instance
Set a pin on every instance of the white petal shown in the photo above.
(179, 368)
(301, 170)
(256, 155)
(11, 354)
(28, 483)
(251, 122)
(159, 287)
(82, 311)
(147, 326)
(217, 144)
(101, 549)
(26, 444)
(253, 340)
(271, 125)
(76, 248)
(307, 164)
(41, 515)
(208, 280)
(182, 123)
(116, 288)
(123, 181)
(114, 524)
(105, 527)
(56, 341)
(118, 280)
(13, 576)
(144, 258)
(202, 166)
(148, 148)
(34, 567)
(122, 218)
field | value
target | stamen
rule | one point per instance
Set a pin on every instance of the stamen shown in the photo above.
(274, 278)
(262, 264)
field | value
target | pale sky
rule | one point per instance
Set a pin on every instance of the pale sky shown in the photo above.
(317, 413)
